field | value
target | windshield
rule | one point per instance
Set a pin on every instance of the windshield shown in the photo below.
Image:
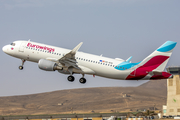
(13, 44)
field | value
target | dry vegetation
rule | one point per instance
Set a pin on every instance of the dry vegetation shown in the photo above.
(87, 100)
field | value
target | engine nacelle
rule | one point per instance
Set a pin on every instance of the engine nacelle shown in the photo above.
(48, 65)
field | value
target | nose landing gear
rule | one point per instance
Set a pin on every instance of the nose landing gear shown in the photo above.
(21, 67)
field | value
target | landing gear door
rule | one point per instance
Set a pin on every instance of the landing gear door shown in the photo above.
(22, 46)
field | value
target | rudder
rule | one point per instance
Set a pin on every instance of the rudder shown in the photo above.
(160, 57)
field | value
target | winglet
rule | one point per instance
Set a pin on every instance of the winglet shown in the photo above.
(128, 60)
(76, 48)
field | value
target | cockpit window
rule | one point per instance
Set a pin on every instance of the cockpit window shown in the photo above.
(13, 44)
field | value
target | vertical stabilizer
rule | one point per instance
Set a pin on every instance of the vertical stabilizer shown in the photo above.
(158, 60)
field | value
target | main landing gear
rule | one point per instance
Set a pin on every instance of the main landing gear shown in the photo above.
(81, 80)
(70, 78)
(21, 67)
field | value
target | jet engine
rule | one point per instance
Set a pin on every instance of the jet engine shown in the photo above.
(48, 65)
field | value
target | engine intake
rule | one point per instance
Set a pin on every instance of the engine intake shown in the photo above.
(48, 65)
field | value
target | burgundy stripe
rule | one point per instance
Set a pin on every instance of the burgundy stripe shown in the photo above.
(142, 71)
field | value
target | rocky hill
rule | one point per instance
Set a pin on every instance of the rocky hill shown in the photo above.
(87, 100)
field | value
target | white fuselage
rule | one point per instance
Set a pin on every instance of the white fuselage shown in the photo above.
(51, 58)
(102, 66)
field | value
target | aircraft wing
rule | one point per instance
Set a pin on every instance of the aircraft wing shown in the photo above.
(69, 60)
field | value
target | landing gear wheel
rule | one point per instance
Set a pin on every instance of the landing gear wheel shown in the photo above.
(70, 78)
(21, 67)
(82, 80)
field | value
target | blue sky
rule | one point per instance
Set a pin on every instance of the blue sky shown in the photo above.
(114, 28)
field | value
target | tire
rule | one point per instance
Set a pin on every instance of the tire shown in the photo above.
(21, 67)
(82, 80)
(70, 78)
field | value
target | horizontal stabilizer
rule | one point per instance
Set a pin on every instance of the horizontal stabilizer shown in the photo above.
(155, 73)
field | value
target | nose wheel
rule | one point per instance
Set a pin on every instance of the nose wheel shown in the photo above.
(21, 67)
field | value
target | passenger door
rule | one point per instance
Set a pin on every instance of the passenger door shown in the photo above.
(22, 46)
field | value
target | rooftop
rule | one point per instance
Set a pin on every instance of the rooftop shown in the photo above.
(174, 70)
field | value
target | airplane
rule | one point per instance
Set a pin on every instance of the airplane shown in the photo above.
(51, 58)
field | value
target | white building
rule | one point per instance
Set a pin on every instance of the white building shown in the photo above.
(173, 93)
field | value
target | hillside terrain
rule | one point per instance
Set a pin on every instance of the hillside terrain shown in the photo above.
(88, 100)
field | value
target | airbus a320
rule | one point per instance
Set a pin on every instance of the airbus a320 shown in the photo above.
(51, 58)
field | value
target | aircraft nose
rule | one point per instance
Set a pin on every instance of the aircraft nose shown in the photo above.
(4, 49)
